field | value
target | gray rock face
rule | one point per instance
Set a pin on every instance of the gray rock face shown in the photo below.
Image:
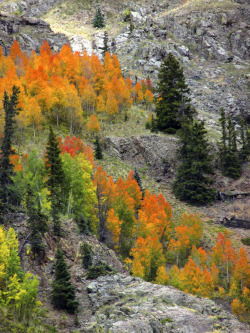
(122, 304)
(155, 152)
(29, 32)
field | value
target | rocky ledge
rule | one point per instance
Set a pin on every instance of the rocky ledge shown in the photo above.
(155, 153)
(30, 33)
(122, 303)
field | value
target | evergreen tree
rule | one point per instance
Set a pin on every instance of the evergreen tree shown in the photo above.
(105, 42)
(98, 21)
(245, 141)
(98, 149)
(137, 177)
(173, 103)
(7, 194)
(229, 155)
(153, 127)
(63, 291)
(86, 256)
(54, 169)
(37, 221)
(192, 182)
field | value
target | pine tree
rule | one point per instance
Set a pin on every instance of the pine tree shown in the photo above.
(192, 183)
(105, 43)
(53, 166)
(98, 149)
(173, 103)
(229, 155)
(63, 291)
(11, 109)
(137, 177)
(98, 21)
(37, 221)
(245, 141)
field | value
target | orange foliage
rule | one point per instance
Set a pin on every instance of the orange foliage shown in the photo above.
(147, 257)
(154, 217)
(93, 124)
(75, 146)
(63, 84)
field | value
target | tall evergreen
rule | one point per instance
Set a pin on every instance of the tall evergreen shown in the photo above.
(11, 109)
(105, 43)
(137, 177)
(98, 21)
(192, 183)
(245, 141)
(173, 103)
(55, 179)
(229, 155)
(63, 291)
(98, 149)
(37, 221)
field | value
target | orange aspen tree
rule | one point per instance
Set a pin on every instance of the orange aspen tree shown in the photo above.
(241, 272)
(147, 258)
(93, 125)
(223, 255)
(34, 114)
(111, 104)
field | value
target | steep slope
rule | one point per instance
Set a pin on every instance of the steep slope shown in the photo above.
(210, 37)
(117, 303)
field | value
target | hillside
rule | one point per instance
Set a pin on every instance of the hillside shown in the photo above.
(146, 247)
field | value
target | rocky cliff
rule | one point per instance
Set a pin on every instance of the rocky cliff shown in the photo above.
(117, 303)
(122, 303)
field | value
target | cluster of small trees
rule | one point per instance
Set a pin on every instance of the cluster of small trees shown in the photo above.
(175, 113)
(66, 87)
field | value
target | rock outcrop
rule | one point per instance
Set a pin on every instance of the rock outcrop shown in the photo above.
(122, 304)
(30, 33)
(154, 152)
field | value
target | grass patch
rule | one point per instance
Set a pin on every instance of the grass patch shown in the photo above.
(166, 320)
(245, 241)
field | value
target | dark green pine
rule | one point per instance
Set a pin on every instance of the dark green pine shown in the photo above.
(98, 149)
(63, 291)
(8, 198)
(98, 21)
(137, 177)
(192, 183)
(228, 152)
(173, 103)
(55, 179)
(37, 221)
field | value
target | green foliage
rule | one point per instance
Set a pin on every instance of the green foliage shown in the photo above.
(126, 15)
(245, 241)
(166, 320)
(63, 291)
(192, 180)
(98, 21)
(100, 270)
(86, 255)
(153, 125)
(98, 149)
(79, 191)
(245, 141)
(229, 155)
(172, 104)
(137, 177)
(55, 179)
(32, 175)
(105, 42)
(7, 195)
(84, 225)
(18, 291)
(37, 221)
